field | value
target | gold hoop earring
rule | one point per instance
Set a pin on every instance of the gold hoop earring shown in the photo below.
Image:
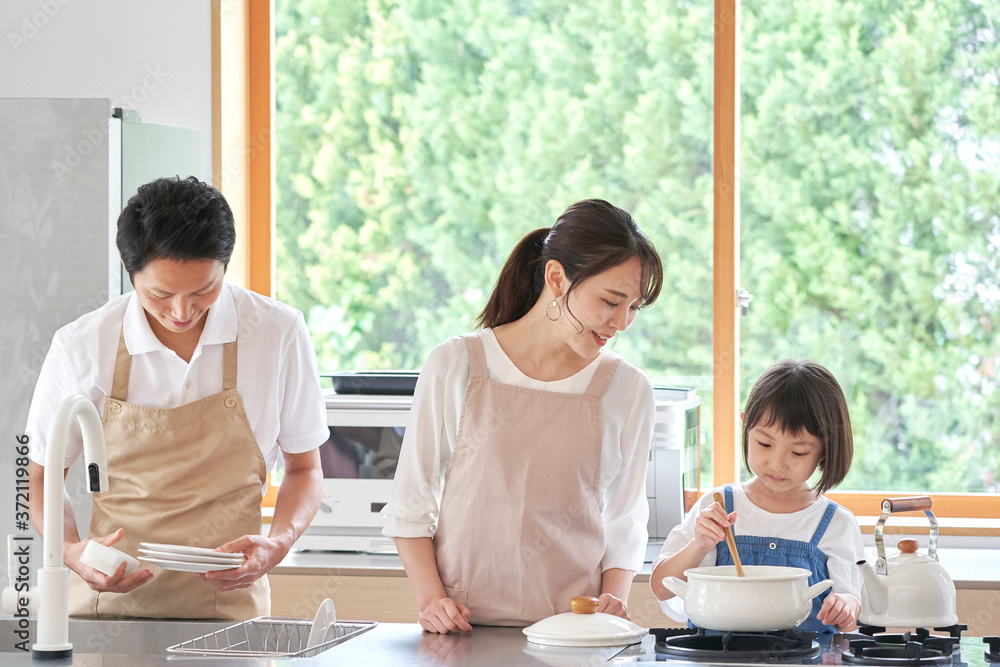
(558, 311)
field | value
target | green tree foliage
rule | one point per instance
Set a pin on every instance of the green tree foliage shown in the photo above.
(419, 139)
(871, 192)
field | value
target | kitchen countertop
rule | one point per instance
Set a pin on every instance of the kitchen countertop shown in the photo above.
(969, 567)
(396, 644)
(400, 645)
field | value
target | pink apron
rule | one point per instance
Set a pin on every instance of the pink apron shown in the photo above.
(520, 530)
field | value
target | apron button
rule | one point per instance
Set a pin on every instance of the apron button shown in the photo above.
(773, 545)
(230, 401)
(116, 407)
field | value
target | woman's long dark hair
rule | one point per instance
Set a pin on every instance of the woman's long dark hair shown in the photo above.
(589, 238)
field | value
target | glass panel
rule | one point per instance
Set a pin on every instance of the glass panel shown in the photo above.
(418, 140)
(870, 229)
(361, 452)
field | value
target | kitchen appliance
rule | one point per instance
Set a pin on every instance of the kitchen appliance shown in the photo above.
(699, 645)
(67, 167)
(366, 433)
(907, 589)
(767, 598)
(867, 646)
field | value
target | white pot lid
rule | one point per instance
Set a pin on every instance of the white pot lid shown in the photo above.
(584, 629)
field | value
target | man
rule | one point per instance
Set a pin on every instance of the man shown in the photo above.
(200, 384)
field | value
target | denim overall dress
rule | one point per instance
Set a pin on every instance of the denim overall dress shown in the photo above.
(755, 550)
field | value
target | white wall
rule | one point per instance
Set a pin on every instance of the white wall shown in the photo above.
(150, 55)
(153, 56)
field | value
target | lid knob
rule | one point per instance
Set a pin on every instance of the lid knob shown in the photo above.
(908, 546)
(583, 605)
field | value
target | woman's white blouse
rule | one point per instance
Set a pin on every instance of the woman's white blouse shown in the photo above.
(628, 416)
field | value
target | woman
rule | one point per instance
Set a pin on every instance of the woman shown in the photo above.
(201, 384)
(540, 434)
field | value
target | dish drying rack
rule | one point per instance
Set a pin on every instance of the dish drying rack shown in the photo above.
(269, 637)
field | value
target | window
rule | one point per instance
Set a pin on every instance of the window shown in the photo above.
(413, 150)
(870, 228)
(418, 141)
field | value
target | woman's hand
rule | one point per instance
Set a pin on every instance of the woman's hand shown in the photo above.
(609, 604)
(839, 609)
(445, 615)
(710, 526)
(118, 582)
(260, 555)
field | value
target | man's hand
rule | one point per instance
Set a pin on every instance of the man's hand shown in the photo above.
(118, 582)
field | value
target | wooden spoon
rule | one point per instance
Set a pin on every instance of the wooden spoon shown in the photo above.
(730, 540)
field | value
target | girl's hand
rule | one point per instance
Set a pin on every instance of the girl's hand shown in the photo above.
(444, 615)
(710, 527)
(609, 604)
(840, 610)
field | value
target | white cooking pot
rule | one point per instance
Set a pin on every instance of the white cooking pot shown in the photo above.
(584, 626)
(768, 598)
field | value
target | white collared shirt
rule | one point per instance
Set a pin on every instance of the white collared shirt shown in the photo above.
(277, 376)
(628, 413)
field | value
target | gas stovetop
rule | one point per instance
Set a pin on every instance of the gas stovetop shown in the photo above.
(868, 646)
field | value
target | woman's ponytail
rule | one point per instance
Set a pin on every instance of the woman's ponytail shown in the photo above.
(519, 284)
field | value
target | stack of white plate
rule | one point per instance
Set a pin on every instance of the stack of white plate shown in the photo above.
(187, 559)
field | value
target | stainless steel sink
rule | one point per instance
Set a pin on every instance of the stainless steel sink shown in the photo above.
(106, 636)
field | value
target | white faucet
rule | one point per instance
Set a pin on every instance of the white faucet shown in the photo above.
(53, 577)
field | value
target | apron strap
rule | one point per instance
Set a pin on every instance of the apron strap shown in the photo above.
(477, 356)
(123, 365)
(824, 523)
(602, 376)
(229, 366)
(727, 492)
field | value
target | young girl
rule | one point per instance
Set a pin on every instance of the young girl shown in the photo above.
(795, 421)
(522, 475)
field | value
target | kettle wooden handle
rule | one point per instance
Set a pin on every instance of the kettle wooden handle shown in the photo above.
(908, 504)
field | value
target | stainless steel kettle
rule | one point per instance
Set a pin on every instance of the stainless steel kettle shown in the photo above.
(907, 590)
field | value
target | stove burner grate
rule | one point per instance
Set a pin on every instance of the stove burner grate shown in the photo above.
(993, 654)
(954, 631)
(697, 645)
(900, 650)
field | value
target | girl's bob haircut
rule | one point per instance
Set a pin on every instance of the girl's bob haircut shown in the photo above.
(797, 395)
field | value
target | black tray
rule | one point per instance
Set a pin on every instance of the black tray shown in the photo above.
(381, 383)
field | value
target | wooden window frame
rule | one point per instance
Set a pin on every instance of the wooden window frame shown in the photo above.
(242, 128)
(243, 166)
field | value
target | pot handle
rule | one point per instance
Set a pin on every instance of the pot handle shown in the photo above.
(678, 587)
(811, 592)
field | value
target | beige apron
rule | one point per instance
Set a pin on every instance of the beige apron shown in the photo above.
(188, 475)
(520, 530)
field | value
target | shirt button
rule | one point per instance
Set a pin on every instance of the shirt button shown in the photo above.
(773, 546)
(188, 385)
(230, 401)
